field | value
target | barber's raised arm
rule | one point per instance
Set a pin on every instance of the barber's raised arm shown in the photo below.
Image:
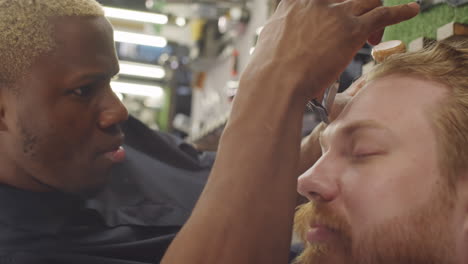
(245, 213)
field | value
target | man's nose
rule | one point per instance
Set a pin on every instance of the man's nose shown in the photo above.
(319, 183)
(113, 113)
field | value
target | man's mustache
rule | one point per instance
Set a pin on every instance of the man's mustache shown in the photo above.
(313, 214)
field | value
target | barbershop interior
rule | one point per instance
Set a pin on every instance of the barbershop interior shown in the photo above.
(181, 60)
(182, 64)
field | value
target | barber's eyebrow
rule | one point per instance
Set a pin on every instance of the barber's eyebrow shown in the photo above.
(351, 128)
(95, 75)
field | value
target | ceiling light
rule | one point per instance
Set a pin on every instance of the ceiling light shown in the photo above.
(138, 16)
(140, 39)
(181, 21)
(141, 70)
(137, 89)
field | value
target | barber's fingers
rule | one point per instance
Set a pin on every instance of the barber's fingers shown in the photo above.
(360, 7)
(285, 4)
(383, 16)
(323, 3)
(356, 86)
(375, 37)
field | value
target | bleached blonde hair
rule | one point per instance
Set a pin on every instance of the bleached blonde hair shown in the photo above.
(445, 62)
(26, 31)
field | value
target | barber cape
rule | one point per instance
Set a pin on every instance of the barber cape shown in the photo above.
(131, 221)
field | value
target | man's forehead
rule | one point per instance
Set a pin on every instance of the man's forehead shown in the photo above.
(86, 31)
(395, 95)
(84, 43)
(349, 127)
(388, 101)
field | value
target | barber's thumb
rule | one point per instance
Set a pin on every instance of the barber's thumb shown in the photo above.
(375, 37)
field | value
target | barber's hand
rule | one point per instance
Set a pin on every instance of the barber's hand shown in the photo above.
(310, 42)
(342, 99)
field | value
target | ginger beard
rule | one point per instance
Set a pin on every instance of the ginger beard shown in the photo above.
(421, 236)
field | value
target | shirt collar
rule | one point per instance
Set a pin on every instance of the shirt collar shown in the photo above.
(35, 211)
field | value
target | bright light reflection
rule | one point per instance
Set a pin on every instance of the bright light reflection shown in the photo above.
(259, 30)
(141, 70)
(137, 89)
(138, 16)
(140, 39)
(120, 96)
(180, 21)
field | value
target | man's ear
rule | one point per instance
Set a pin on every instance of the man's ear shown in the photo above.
(461, 220)
(462, 200)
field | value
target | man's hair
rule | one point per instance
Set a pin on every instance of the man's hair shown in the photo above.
(445, 62)
(26, 31)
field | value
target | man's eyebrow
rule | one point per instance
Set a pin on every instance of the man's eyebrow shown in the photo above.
(349, 129)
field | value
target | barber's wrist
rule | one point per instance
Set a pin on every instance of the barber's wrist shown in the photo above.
(311, 149)
(282, 78)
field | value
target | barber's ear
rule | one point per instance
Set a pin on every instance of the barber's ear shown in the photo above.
(3, 126)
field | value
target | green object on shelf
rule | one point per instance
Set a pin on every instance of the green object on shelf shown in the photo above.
(158, 6)
(164, 113)
(426, 23)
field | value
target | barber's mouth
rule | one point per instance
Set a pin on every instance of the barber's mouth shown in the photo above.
(319, 234)
(116, 156)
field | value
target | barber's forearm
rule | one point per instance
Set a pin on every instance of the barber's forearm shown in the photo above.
(251, 190)
(245, 213)
(310, 149)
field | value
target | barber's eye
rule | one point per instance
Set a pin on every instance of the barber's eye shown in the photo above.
(83, 91)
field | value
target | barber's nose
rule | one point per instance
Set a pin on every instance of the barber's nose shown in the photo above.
(319, 183)
(113, 112)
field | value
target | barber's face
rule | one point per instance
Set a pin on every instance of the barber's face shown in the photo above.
(63, 122)
(377, 194)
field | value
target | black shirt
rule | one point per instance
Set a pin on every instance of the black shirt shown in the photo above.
(132, 221)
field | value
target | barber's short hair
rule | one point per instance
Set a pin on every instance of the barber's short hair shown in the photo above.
(445, 62)
(26, 31)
